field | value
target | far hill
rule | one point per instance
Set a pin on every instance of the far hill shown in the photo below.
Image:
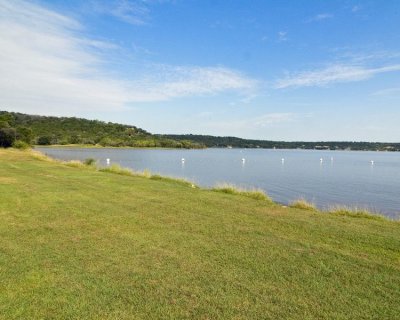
(234, 142)
(44, 130)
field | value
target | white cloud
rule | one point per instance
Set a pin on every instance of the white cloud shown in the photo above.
(320, 17)
(184, 81)
(332, 74)
(135, 12)
(47, 66)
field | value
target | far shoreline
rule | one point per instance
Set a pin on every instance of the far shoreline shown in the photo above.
(90, 146)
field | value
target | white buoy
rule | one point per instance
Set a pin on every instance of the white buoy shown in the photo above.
(321, 160)
(108, 161)
(243, 160)
(283, 160)
(183, 160)
(372, 162)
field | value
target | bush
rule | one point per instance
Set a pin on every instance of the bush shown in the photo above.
(18, 144)
(44, 140)
(25, 134)
(7, 137)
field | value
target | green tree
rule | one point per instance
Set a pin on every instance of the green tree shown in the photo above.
(7, 137)
(4, 124)
(44, 140)
(25, 134)
(7, 117)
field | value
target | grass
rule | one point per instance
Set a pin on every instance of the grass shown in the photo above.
(303, 204)
(117, 169)
(256, 194)
(355, 213)
(77, 243)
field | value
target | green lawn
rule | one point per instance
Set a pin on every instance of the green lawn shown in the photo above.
(82, 244)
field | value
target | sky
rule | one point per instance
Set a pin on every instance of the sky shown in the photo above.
(276, 70)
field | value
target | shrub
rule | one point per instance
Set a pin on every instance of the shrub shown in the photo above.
(44, 140)
(25, 134)
(7, 137)
(18, 144)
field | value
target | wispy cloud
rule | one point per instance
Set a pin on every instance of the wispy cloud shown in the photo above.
(255, 123)
(47, 66)
(320, 17)
(129, 11)
(135, 12)
(282, 36)
(332, 74)
(389, 92)
(166, 82)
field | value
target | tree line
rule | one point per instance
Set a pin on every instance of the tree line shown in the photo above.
(21, 130)
(234, 142)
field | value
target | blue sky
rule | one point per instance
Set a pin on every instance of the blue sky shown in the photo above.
(280, 70)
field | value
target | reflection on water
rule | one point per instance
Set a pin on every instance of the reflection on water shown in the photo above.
(363, 179)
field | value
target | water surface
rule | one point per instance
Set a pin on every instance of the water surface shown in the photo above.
(341, 177)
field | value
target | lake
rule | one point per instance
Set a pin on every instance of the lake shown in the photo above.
(326, 178)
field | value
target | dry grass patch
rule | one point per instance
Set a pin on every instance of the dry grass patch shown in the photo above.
(303, 204)
(257, 194)
(355, 212)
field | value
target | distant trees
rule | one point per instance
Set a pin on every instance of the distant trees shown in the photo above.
(224, 142)
(42, 130)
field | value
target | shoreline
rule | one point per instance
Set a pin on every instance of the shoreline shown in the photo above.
(231, 189)
(89, 146)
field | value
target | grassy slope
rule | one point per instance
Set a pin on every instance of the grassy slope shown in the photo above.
(77, 243)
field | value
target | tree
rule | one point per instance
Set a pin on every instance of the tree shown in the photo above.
(44, 140)
(7, 117)
(7, 137)
(4, 124)
(25, 134)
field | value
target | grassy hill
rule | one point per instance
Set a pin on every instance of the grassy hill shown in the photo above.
(44, 130)
(76, 243)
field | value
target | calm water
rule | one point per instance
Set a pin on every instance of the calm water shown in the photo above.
(343, 177)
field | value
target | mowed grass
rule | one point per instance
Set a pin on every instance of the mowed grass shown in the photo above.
(76, 243)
